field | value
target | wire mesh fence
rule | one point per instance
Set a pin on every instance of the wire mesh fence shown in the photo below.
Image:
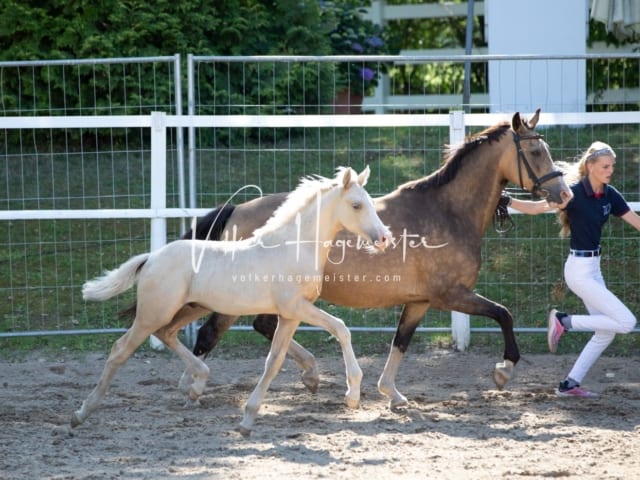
(47, 261)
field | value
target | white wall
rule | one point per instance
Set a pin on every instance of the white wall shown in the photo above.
(550, 27)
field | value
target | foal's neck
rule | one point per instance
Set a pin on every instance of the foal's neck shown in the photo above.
(312, 229)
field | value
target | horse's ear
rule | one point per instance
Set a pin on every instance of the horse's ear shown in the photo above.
(346, 177)
(534, 120)
(364, 176)
(516, 122)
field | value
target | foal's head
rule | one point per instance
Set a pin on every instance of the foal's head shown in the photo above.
(355, 209)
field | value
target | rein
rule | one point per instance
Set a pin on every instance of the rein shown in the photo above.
(502, 221)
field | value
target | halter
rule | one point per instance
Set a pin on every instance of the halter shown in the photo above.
(522, 159)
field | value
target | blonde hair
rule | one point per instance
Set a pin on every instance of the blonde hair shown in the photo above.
(578, 170)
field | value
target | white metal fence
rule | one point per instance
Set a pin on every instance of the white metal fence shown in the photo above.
(84, 191)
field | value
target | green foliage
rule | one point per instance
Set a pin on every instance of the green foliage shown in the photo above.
(116, 29)
(351, 34)
(59, 29)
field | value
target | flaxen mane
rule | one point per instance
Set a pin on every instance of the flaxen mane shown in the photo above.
(455, 155)
(307, 190)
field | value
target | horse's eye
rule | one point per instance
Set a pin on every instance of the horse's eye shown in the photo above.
(356, 205)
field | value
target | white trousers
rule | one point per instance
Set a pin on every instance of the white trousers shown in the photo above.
(607, 314)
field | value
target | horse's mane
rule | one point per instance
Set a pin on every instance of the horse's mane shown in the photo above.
(455, 155)
(299, 198)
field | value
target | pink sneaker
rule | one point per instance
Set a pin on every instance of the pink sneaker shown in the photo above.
(575, 391)
(554, 331)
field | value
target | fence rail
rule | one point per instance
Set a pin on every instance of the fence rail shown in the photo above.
(85, 206)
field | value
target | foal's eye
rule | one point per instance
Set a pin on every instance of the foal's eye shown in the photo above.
(356, 205)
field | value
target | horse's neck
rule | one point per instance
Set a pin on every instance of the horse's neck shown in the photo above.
(475, 190)
(311, 230)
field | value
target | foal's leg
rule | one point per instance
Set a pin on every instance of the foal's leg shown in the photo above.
(120, 352)
(266, 325)
(312, 315)
(409, 320)
(217, 324)
(284, 332)
(277, 353)
(197, 371)
(184, 316)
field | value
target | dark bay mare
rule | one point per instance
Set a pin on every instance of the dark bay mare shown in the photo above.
(438, 224)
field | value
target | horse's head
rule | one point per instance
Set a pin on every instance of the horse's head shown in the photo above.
(535, 169)
(356, 211)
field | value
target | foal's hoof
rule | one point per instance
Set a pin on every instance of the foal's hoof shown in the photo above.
(398, 401)
(184, 384)
(502, 373)
(245, 432)
(311, 380)
(191, 403)
(75, 420)
(352, 403)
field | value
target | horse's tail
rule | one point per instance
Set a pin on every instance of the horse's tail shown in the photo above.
(211, 226)
(115, 281)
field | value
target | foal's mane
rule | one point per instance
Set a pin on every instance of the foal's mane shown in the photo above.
(455, 156)
(297, 200)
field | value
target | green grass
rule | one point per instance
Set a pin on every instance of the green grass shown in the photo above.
(46, 262)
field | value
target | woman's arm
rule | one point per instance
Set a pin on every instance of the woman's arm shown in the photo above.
(632, 219)
(531, 207)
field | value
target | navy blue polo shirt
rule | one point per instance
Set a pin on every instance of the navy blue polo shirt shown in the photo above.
(587, 214)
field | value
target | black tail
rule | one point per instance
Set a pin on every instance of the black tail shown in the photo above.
(217, 217)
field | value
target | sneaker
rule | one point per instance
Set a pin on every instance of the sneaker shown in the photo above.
(554, 331)
(575, 391)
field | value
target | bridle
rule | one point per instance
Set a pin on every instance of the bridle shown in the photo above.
(502, 221)
(522, 160)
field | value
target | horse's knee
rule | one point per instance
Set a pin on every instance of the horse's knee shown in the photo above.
(266, 325)
(207, 338)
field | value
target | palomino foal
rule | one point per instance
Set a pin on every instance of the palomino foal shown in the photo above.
(283, 262)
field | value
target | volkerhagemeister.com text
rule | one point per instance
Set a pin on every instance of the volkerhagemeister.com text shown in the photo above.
(328, 277)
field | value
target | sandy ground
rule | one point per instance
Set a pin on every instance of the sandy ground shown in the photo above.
(457, 425)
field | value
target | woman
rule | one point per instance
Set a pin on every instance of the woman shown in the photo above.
(582, 219)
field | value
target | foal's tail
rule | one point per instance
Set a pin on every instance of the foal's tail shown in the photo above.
(115, 281)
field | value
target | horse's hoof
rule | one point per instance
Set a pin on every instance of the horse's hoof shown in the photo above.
(502, 373)
(311, 381)
(245, 432)
(75, 420)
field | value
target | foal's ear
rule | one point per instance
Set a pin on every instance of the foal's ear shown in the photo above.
(346, 177)
(364, 176)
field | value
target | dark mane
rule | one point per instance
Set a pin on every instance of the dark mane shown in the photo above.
(455, 155)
